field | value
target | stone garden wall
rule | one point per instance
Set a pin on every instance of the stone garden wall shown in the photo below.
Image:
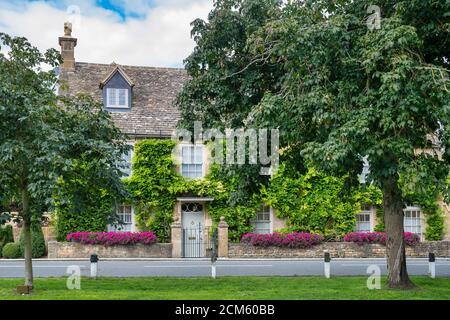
(57, 250)
(337, 250)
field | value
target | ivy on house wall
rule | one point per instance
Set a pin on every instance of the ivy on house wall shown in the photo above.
(154, 176)
(80, 207)
(426, 197)
(316, 202)
(311, 201)
(155, 185)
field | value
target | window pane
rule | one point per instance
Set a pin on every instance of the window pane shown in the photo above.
(192, 161)
(412, 221)
(186, 155)
(198, 155)
(111, 96)
(122, 97)
(363, 222)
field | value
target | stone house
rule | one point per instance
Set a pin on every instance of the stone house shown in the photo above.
(140, 100)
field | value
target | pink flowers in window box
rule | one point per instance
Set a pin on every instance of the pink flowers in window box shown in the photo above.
(411, 239)
(290, 240)
(113, 238)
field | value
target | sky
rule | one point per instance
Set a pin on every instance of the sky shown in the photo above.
(128, 32)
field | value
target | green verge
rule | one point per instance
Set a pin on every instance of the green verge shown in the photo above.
(225, 288)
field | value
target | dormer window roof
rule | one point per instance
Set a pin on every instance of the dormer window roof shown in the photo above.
(117, 69)
(117, 90)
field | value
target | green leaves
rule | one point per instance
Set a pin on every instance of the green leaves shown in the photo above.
(53, 150)
(316, 202)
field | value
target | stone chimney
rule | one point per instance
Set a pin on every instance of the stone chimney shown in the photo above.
(68, 45)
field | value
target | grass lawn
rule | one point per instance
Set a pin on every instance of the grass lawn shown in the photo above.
(232, 288)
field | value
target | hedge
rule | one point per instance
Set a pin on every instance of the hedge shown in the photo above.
(11, 251)
(6, 236)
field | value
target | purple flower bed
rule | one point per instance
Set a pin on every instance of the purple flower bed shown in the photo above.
(291, 240)
(411, 239)
(112, 238)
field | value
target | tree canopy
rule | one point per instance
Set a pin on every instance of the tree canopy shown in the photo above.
(337, 90)
(45, 139)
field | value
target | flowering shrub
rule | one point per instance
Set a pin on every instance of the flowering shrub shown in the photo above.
(112, 238)
(411, 239)
(290, 240)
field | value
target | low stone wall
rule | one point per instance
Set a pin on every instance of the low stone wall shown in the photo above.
(76, 250)
(49, 234)
(337, 250)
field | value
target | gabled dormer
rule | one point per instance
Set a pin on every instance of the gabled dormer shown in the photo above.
(117, 89)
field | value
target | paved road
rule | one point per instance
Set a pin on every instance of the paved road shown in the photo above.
(194, 268)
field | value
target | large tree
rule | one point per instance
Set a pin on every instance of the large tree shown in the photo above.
(44, 138)
(339, 91)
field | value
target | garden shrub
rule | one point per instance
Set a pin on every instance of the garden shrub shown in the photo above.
(113, 238)
(6, 236)
(289, 240)
(38, 248)
(361, 238)
(11, 251)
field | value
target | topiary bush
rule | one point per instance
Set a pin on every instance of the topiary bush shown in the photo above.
(6, 236)
(37, 241)
(11, 251)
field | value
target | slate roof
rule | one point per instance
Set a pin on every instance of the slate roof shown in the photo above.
(155, 89)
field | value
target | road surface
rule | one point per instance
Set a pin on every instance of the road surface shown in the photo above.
(202, 267)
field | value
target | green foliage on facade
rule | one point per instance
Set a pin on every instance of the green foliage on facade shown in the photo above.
(316, 202)
(155, 186)
(426, 196)
(38, 248)
(83, 211)
(150, 186)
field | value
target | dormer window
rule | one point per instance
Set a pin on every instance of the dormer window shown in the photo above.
(117, 98)
(117, 88)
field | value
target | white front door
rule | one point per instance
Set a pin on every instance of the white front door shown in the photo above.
(192, 216)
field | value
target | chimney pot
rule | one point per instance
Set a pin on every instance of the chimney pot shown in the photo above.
(68, 45)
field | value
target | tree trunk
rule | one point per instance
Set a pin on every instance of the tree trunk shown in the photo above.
(395, 244)
(27, 238)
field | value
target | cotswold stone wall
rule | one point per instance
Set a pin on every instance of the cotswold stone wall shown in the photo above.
(49, 234)
(58, 250)
(337, 250)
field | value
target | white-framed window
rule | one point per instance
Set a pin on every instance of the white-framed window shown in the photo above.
(127, 162)
(192, 161)
(262, 224)
(117, 98)
(413, 220)
(125, 212)
(364, 219)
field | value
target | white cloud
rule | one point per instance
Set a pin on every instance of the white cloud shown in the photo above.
(160, 38)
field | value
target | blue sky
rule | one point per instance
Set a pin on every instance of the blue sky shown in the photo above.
(133, 32)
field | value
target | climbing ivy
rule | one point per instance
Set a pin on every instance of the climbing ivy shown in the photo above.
(427, 197)
(316, 202)
(155, 185)
(150, 186)
(311, 201)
